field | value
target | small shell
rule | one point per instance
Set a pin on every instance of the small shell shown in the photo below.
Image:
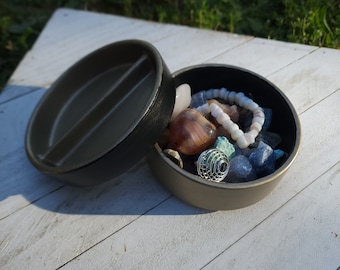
(174, 156)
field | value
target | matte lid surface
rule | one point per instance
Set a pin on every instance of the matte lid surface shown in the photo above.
(116, 100)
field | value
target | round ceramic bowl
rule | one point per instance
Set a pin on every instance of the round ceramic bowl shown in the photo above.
(102, 115)
(224, 196)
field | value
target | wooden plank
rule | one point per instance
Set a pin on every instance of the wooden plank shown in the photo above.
(58, 227)
(21, 183)
(192, 46)
(310, 79)
(178, 44)
(64, 41)
(263, 56)
(14, 117)
(171, 234)
(65, 23)
(303, 234)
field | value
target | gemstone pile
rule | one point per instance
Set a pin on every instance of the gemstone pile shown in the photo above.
(221, 136)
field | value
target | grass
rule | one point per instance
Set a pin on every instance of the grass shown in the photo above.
(312, 22)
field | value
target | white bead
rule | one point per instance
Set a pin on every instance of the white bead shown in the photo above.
(210, 94)
(203, 109)
(252, 106)
(253, 133)
(236, 134)
(222, 118)
(231, 96)
(226, 95)
(258, 113)
(255, 126)
(216, 93)
(238, 97)
(227, 124)
(249, 138)
(215, 110)
(246, 102)
(223, 93)
(232, 127)
(242, 142)
(259, 120)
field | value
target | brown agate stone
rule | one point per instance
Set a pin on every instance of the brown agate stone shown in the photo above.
(191, 133)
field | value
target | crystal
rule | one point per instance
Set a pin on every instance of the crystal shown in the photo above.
(268, 115)
(198, 99)
(263, 159)
(223, 144)
(278, 153)
(240, 170)
(270, 138)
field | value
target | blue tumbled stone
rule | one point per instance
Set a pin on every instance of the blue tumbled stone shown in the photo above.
(240, 170)
(244, 152)
(268, 115)
(278, 153)
(270, 138)
(263, 159)
(198, 99)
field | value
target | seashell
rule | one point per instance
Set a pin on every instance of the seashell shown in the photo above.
(213, 165)
(174, 156)
(183, 99)
(191, 132)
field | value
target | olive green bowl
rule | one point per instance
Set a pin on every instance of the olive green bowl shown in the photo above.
(224, 196)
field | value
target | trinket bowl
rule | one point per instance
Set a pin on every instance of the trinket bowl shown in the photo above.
(108, 110)
(221, 195)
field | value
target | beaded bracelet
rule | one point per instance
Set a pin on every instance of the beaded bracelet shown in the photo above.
(242, 139)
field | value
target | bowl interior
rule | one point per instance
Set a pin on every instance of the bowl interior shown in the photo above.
(284, 120)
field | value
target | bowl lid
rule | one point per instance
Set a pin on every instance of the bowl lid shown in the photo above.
(117, 100)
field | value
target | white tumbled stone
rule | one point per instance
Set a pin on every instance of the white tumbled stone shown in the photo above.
(183, 99)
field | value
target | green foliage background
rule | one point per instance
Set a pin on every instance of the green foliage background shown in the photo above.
(313, 22)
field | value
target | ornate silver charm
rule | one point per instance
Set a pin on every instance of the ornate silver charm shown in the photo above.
(213, 165)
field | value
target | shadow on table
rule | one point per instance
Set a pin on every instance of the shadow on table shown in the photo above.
(135, 193)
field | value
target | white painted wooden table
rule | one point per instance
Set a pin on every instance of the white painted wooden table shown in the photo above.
(133, 223)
